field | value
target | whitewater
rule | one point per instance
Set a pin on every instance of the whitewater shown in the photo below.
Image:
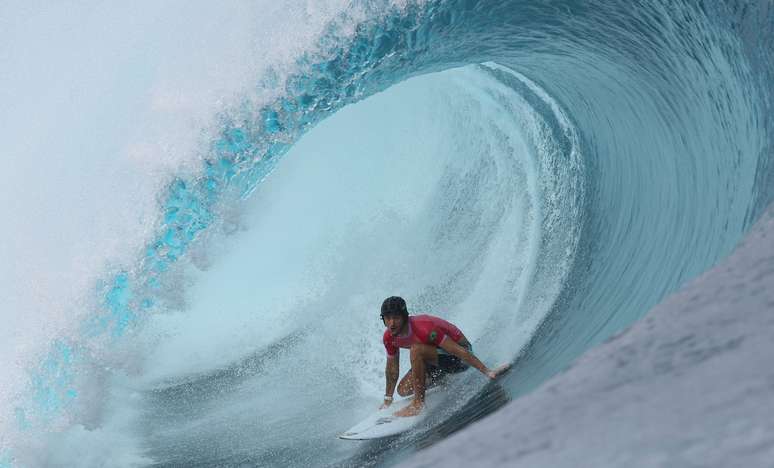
(204, 207)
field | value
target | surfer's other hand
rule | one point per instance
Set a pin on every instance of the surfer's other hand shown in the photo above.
(385, 404)
(498, 371)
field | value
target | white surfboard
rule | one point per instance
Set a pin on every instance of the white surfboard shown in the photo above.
(384, 423)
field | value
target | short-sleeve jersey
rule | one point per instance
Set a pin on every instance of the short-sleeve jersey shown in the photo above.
(424, 329)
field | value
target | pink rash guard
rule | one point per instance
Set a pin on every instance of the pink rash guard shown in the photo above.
(424, 329)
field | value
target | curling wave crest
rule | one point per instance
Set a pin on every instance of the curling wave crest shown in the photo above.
(541, 174)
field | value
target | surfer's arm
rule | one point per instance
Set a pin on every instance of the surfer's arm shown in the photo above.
(391, 373)
(451, 347)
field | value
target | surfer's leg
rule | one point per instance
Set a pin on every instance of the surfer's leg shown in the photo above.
(421, 354)
(434, 377)
(406, 384)
(406, 387)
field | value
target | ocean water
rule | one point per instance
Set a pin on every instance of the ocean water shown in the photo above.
(205, 205)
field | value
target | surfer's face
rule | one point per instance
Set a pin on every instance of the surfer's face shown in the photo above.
(394, 323)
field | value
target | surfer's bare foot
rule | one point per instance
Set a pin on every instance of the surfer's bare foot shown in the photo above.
(411, 410)
(498, 371)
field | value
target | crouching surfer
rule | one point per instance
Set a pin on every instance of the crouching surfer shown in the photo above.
(437, 348)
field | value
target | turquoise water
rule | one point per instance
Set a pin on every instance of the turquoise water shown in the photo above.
(542, 174)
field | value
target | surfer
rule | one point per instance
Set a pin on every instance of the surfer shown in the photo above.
(438, 348)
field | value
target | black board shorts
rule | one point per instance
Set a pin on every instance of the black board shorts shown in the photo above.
(448, 364)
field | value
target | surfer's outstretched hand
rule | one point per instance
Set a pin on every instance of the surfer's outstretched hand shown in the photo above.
(385, 404)
(498, 371)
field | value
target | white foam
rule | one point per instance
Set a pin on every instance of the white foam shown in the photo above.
(102, 105)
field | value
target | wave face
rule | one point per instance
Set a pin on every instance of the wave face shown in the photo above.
(540, 173)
